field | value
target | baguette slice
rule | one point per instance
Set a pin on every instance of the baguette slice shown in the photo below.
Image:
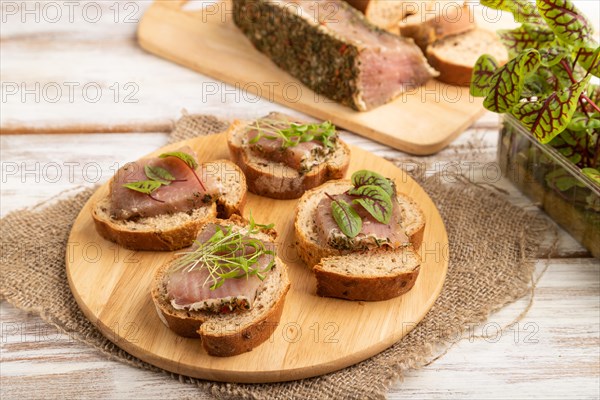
(312, 250)
(228, 334)
(174, 231)
(428, 27)
(369, 276)
(279, 181)
(455, 56)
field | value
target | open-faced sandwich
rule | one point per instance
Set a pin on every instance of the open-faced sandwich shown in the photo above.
(282, 157)
(229, 288)
(161, 203)
(360, 237)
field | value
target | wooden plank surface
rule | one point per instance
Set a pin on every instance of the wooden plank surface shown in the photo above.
(37, 362)
(35, 357)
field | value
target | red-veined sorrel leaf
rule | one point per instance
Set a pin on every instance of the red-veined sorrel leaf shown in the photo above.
(375, 200)
(507, 82)
(589, 58)
(185, 157)
(567, 22)
(592, 173)
(146, 187)
(527, 36)
(522, 10)
(562, 180)
(346, 218)
(583, 122)
(550, 56)
(549, 116)
(483, 71)
(159, 174)
(364, 177)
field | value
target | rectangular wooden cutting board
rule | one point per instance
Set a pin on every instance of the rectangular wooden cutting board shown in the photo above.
(422, 121)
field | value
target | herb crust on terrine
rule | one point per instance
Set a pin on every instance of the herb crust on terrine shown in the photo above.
(334, 50)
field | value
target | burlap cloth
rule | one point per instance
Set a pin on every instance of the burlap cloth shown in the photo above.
(493, 246)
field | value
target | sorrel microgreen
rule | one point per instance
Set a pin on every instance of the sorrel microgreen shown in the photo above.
(158, 176)
(373, 193)
(546, 84)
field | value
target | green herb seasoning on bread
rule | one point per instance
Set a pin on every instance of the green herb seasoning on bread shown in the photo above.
(282, 157)
(230, 277)
(358, 220)
(161, 203)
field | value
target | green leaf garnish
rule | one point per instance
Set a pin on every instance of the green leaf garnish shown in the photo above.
(292, 134)
(146, 187)
(506, 85)
(592, 173)
(159, 174)
(589, 58)
(346, 217)
(367, 178)
(189, 160)
(550, 56)
(546, 83)
(375, 200)
(371, 191)
(522, 10)
(584, 122)
(567, 22)
(547, 117)
(562, 180)
(527, 36)
(228, 254)
(253, 224)
(185, 157)
(483, 71)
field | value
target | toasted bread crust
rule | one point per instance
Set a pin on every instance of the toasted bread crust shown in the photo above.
(454, 70)
(225, 207)
(351, 287)
(216, 343)
(179, 321)
(415, 235)
(450, 72)
(217, 337)
(179, 235)
(425, 31)
(282, 186)
(248, 338)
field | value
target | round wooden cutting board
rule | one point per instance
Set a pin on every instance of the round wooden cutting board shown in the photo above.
(315, 336)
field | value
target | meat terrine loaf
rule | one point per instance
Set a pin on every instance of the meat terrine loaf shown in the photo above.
(331, 48)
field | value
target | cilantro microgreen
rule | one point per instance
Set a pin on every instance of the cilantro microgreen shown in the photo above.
(228, 254)
(292, 133)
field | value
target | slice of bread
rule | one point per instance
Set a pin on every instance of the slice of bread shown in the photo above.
(370, 276)
(428, 27)
(455, 56)
(228, 334)
(174, 231)
(385, 13)
(310, 247)
(276, 180)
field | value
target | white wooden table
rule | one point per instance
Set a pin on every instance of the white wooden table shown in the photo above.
(64, 79)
